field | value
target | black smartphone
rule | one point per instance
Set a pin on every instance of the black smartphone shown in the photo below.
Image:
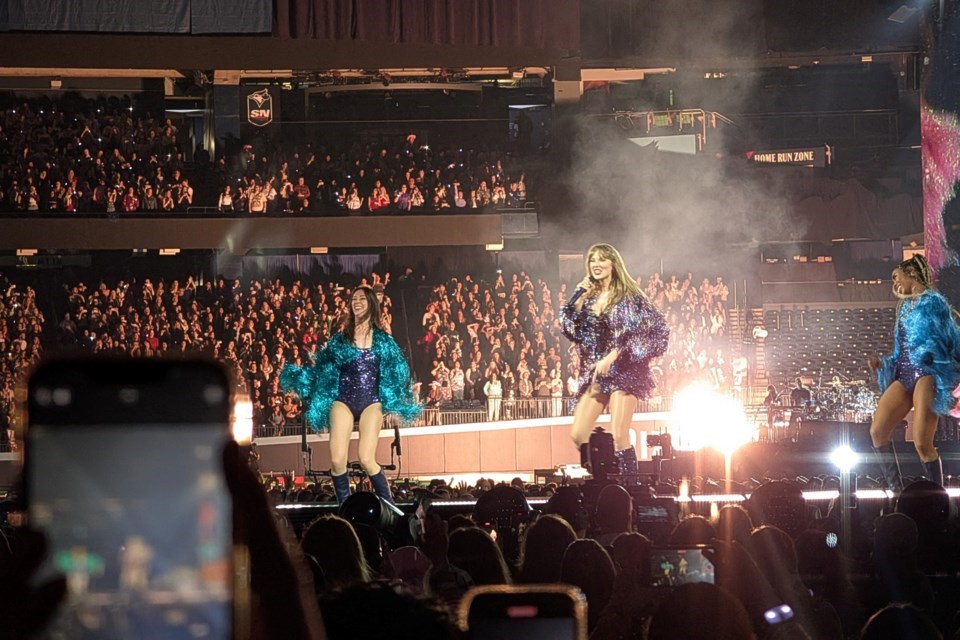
(123, 474)
(673, 566)
(524, 612)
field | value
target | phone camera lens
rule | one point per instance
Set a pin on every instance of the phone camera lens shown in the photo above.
(62, 397)
(43, 397)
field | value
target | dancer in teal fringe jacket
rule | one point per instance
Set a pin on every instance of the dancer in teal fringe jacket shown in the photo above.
(360, 375)
(921, 374)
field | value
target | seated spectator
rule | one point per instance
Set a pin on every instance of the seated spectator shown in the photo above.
(733, 523)
(779, 504)
(167, 202)
(474, 551)
(700, 611)
(225, 203)
(353, 201)
(302, 194)
(896, 540)
(900, 621)
(588, 566)
(693, 530)
(403, 199)
(567, 503)
(185, 194)
(614, 514)
(150, 202)
(775, 555)
(333, 544)
(541, 555)
(130, 201)
(380, 611)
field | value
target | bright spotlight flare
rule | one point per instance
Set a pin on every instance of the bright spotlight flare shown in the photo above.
(844, 458)
(705, 418)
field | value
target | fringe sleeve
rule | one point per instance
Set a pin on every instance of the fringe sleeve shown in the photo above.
(933, 340)
(396, 389)
(317, 385)
(639, 329)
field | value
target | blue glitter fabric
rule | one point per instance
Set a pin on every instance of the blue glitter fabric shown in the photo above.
(360, 382)
(907, 373)
(633, 326)
(319, 385)
(927, 342)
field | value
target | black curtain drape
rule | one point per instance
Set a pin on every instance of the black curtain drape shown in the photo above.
(551, 24)
(136, 16)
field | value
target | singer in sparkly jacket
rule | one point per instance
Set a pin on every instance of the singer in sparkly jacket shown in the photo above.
(617, 331)
(360, 375)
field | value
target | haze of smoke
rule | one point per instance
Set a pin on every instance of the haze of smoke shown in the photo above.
(686, 210)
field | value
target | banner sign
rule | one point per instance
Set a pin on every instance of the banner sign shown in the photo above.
(259, 108)
(807, 157)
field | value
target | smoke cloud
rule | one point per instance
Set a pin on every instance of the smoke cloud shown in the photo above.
(690, 211)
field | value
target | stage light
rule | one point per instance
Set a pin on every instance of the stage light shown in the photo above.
(705, 418)
(844, 458)
(242, 426)
(369, 509)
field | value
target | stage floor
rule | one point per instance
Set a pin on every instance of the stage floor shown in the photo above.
(525, 448)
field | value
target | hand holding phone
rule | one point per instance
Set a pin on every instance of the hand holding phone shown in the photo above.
(25, 608)
(123, 474)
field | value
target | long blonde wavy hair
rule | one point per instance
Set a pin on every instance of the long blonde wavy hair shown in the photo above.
(622, 284)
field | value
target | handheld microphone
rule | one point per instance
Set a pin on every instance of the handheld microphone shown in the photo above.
(396, 438)
(576, 295)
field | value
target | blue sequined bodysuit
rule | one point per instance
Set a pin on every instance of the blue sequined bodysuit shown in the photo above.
(360, 382)
(907, 373)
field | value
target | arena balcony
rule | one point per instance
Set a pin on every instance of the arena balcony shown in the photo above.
(203, 228)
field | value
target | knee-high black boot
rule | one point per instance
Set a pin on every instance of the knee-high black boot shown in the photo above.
(381, 486)
(629, 466)
(934, 470)
(341, 487)
(890, 466)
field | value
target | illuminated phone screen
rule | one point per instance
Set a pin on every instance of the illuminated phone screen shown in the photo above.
(138, 519)
(673, 567)
(526, 613)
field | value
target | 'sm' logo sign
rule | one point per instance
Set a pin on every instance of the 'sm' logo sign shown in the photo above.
(260, 108)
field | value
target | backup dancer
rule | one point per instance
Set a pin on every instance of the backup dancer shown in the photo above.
(360, 375)
(921, 374)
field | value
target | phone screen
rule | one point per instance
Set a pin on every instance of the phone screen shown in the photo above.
(526, 613)
(681, 565)
(651, 513)
(128, 488)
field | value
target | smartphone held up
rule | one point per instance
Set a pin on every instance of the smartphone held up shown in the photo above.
(524, 612)
(123, 474)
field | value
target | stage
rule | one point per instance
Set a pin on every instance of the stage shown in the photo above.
(538, 447)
